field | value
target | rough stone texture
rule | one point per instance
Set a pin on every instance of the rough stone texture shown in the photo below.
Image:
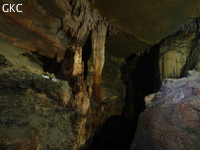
(98, 51)
(178, 54)
(148, 21)
(171, 118)
(113, 88)
(31, 116)
(14, 55)
(24, 72)
(42, 102)
(121, 44)
(72, 64)
(48, 27)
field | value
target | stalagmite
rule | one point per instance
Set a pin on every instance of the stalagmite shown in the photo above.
(72, 70)
(98, 48)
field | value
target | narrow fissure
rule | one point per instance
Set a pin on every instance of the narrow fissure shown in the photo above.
(141, 76)
(87, 51)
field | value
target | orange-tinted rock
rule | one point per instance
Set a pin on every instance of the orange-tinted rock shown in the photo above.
(72, 64)
(98, 49)
(48, 27)
(113, 90)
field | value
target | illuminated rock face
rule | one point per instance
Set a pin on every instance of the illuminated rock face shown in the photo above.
(178, 54)
(78, 111)
(171, 117)
(48, 27)
(72, 64)
(98, 50)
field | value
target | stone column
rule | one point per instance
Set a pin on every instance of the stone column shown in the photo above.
(98, 49)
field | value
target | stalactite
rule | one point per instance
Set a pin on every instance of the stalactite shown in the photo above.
(187, 28)
(98, 48)
(81, 20)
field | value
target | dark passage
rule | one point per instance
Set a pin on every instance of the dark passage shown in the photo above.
(87, 51)
(141, 75)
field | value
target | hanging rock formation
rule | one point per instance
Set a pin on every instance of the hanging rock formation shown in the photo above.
(98, 50)
(48, 27)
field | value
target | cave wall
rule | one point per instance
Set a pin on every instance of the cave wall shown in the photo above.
(163, 123)
(143, 72)
(48, 27)
(40, 39)
(113, 88)
(179, 53)
(171, 118)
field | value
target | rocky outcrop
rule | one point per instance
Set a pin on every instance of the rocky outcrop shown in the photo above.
(66, 91)
(171, 118)
(32, 115)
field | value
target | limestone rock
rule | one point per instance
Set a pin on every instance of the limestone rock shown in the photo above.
(178, 54)
(32, 115)
(48, 27)
(171, 118)
(72, 63)
(113, 88)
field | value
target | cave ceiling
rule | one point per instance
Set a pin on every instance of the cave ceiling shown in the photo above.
(53, 24)
(148, 21)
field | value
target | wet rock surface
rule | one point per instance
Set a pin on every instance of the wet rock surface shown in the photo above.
(171, 118)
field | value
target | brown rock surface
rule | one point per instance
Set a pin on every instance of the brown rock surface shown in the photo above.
(23, 73)
(48, 27)
(98, 51)
(31, 116)
(148, 21)
(113, 88)
(171, 118)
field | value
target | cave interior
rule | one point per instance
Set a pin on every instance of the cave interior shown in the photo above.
(99, 75)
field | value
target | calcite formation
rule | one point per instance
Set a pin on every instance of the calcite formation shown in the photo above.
(98, 50)
(171, 118)
(72, 64)
(71, 97)
(178, 54)
(48, 27)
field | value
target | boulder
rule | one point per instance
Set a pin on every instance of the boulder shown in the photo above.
(171, 118)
